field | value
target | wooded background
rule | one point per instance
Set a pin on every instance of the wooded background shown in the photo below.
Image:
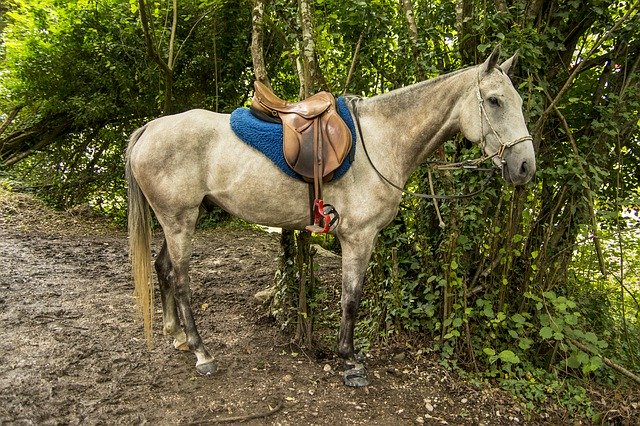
(536, 287)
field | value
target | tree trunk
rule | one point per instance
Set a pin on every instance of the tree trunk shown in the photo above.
(407, 8)
(167, 66)
(257, 47)
(464, 24)
(308, 51)
(308, 80)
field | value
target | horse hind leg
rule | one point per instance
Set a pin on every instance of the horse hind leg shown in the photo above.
(171, 322)
(178, 233)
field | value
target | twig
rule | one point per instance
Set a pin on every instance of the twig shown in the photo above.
(240, 419)
(620, 369)
(435, 202)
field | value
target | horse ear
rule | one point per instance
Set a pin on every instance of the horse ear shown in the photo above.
(509, 65)
(492, 60)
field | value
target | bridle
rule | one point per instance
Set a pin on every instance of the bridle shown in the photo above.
(467, 164)
(503, 146)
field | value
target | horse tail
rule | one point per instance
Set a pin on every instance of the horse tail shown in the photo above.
(139, 225)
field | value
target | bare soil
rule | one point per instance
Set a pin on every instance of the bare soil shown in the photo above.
(71, 347)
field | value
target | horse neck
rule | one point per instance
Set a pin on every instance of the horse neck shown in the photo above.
(403, 127)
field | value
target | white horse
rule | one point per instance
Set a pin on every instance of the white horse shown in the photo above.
(179, 163)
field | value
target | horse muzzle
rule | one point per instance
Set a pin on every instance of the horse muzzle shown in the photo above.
(518, 172)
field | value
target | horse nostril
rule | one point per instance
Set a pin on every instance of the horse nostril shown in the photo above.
(524, 169)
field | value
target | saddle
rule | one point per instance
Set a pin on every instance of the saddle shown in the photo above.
(315, 142)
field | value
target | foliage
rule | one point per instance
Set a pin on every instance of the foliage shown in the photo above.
(78, 77)
(517, 268)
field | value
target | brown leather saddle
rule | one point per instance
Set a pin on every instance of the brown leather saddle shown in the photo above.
(315, 142)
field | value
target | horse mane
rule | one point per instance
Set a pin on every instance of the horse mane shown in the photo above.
(399, 95)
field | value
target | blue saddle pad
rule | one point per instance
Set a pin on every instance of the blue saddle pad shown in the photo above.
(267, 137)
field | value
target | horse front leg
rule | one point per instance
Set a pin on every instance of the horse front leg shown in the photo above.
(356, 252)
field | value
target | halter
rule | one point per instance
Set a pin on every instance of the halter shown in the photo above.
(503, 146)
(467, 164)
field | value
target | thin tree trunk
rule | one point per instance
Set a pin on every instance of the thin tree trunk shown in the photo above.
(308, 79)
(165, 66)
(308, 51)
(257, 47)
(407, 9)
(353, 64)
(464, 24)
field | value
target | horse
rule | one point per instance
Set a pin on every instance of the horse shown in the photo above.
(176, 165)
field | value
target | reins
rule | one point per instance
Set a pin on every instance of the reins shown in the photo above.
(466, 165)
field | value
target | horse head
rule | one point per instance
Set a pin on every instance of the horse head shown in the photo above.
(491, 116)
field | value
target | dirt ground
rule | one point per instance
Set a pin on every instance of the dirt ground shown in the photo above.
(71, 347)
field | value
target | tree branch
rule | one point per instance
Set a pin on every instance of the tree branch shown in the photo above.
(590, 202)
(615, 366)
(148, 37)
(12, 115)
(580, 65)
(354, 59)
(172, 37)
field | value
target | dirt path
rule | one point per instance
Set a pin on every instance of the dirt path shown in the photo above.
(71, 348)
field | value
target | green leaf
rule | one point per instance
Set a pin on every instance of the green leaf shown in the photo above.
(582, 357)
(546, 333)
(525, 343)
(595, 362)
(517, 318)
(489, 351)
(591, 337)
(571, 319)
(508, 356)
(573, 362)
(488, 311)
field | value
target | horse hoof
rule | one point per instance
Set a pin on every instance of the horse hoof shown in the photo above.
(207, 369)
(355, 376)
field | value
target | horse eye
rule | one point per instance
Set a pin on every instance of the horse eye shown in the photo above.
(494, 101)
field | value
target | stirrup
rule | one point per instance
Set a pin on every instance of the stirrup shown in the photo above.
(325, 218)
